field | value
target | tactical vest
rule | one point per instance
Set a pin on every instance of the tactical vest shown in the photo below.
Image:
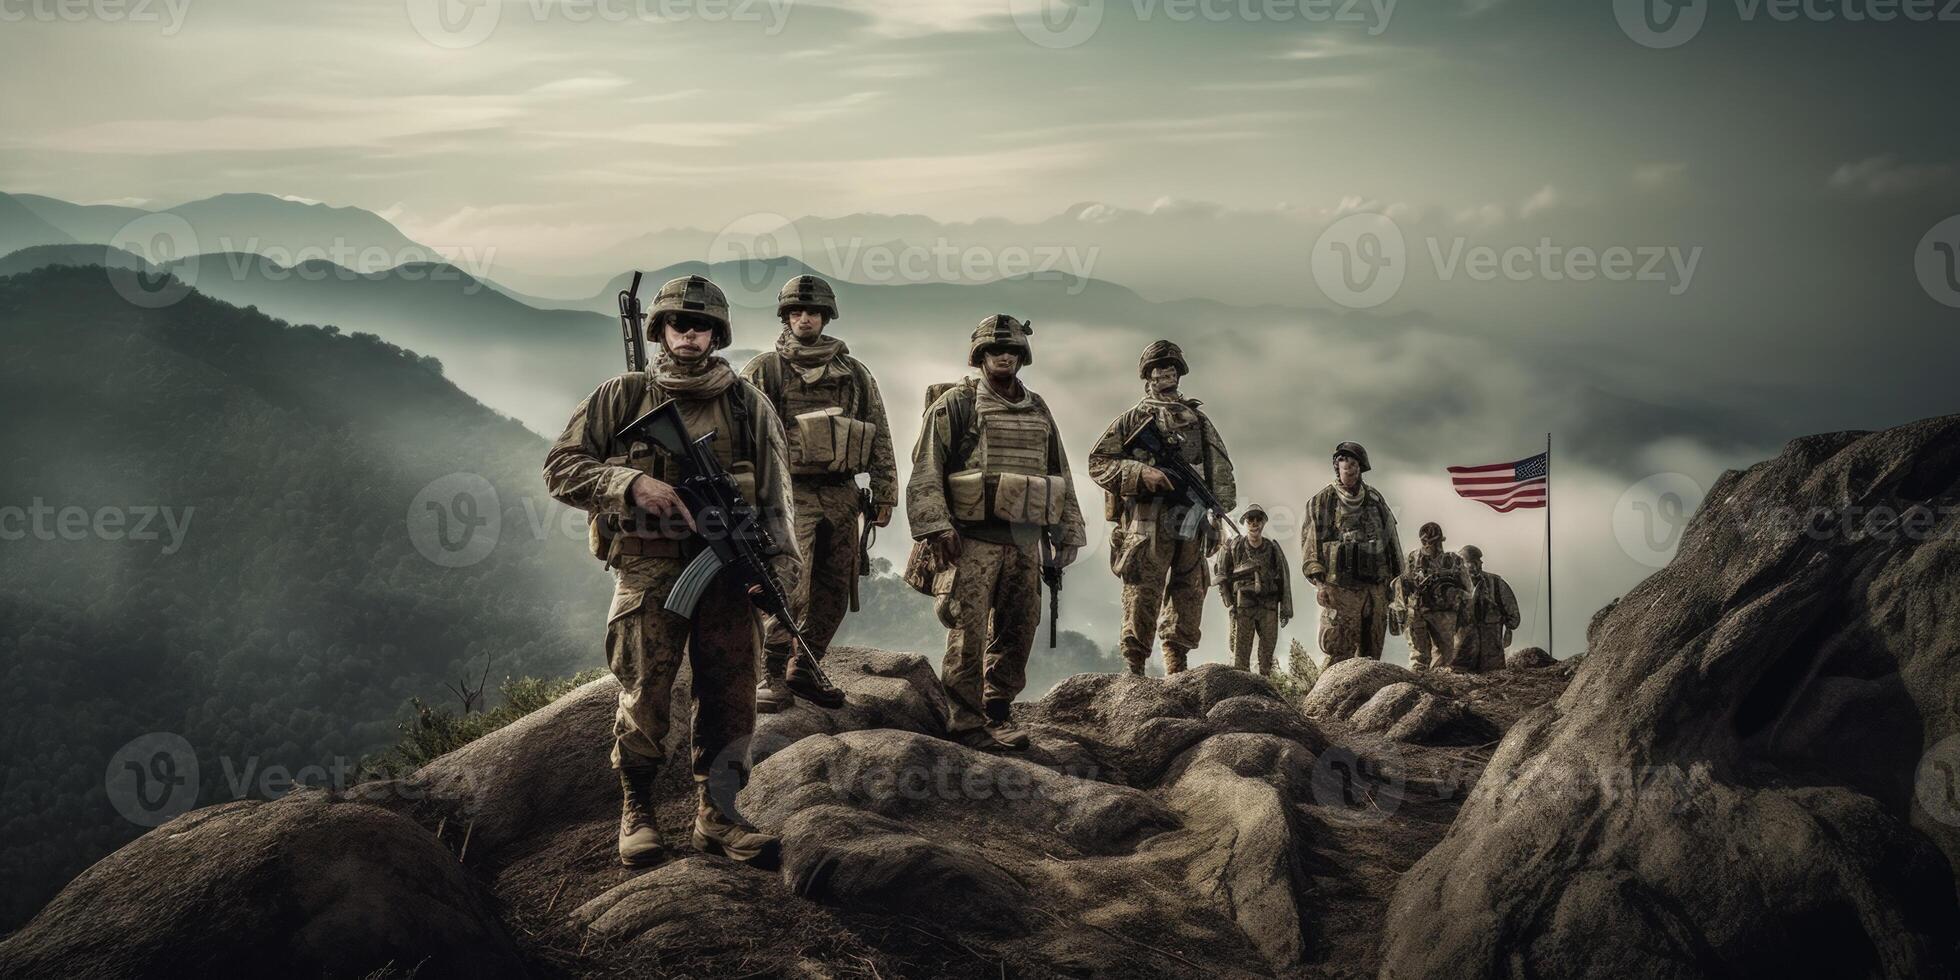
(1000, 463)
(1351, 545)
(821, 428)
(1254, 574)
(732, 420)
(1435, 579)
(1194, 446)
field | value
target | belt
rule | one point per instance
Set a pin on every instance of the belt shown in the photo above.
(823, 479)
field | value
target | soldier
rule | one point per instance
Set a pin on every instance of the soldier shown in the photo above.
(1428, 595)
(642, 530)
(835, 428)
(990, 489)
(1257, 588)
(1491, 613)
(1350, 552)
(1163, 573)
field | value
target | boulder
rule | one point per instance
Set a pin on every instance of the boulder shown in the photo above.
(1344, 687)
(306, 885)
(1736, 782)
(1406, 713)
(1529, 658)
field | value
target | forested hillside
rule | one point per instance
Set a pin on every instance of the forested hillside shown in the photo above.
(210, 526)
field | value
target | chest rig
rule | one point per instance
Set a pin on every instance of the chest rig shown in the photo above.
(730, 417)
(822, 431)
(1007, 473)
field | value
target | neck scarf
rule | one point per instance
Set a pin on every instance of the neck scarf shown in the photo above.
(813, 359)
(705, 377)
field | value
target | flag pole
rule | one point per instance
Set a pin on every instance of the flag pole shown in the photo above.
(1551, 615)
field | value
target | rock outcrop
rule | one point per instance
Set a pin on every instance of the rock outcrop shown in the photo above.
(1750, 772)
(1728, 786)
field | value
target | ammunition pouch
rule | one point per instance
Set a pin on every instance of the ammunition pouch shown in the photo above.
(975, 496)
(1355, 562)
(830, 441)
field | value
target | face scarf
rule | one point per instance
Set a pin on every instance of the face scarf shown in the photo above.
(810, 360)
(703, 377)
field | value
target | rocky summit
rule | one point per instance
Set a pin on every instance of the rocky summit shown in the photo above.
(1749, 773)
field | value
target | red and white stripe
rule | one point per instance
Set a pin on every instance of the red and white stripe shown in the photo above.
(1504, 487)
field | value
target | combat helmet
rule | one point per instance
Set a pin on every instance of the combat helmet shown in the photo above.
(807, 291)
(1353, 449)
(698, 296)
(1001, 330)
(1472, 553)
(1431, 529)
(1159, 352)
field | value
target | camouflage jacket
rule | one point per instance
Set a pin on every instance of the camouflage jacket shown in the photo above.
(586, 467)
(1236, 586)
(1321, 527)
(1122, 477)
(852, 389)
(1492, 603)
(942, 439)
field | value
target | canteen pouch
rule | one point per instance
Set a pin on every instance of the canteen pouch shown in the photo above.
(966, 495)
(816, 436)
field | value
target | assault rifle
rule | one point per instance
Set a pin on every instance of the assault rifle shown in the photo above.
(1051, 575)
(867, 535)
(631, 324)
(736, 539)
(1149, 442)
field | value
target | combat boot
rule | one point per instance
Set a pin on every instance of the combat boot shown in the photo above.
(1137, 663)
(807, 681)
(639, 839)
(1173, 660)
(1000, 725)
(773, 694)
(717, 833)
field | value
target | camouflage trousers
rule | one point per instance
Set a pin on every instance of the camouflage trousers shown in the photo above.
(1480, 648)
(1163, 577)
(1432, 638)
(827, 539)
(644, 647)
(1353, 621)
(994, 608)
(1255, 625)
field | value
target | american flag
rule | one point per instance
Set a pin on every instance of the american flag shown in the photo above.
(1504, 486)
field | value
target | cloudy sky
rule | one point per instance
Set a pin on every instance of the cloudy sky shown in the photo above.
(1678, 242)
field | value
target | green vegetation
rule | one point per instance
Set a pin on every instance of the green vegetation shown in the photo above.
(436, 731)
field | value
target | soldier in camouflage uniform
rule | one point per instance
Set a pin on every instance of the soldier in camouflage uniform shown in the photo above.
(990, 491)
(1490, 614)
(643, 532)
(1350, 552)
(1428, 596)
(1257, 588)
(835, 428)
(1163, 573)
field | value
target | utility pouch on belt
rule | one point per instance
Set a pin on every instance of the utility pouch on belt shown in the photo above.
(834, 441)
(1023, 499)
(966, 493)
